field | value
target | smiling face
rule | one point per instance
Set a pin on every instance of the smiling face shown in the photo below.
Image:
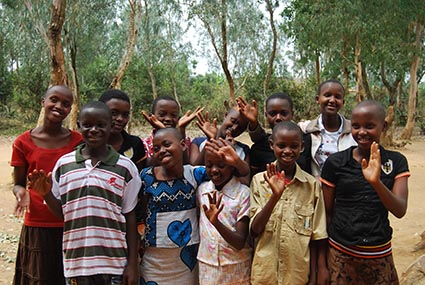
(287, 145)
(95, 126)
(330, 98)
(219, 172)
(367, 124)
(278, 110)
(120, 110)
(233, 124)
(57, 103)
(167, 112)
(168, 147)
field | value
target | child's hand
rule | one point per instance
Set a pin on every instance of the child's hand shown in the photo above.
(250, 112)
(210, 130)
(22, 202)
(188, 117)
(131, 275)
(275, 179)
(223, 149)
(215, 206)
(153, 120)
(40, 182)
(372, 170)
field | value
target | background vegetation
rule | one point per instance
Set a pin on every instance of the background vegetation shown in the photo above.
(251, 48)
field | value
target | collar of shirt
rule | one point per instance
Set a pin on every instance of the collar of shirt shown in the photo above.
(230, 189)
(322, 127)
(110, 159)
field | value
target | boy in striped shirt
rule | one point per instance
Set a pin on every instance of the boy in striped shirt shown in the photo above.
(94, 189)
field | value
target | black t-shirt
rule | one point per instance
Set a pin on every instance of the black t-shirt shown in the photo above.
(359, 217)
(133, 148)
(261, 154)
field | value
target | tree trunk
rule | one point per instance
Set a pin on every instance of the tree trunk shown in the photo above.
(387, 134)
(359, 76)
(317, 68)
(58, 73)
(410, 123)
(365, 83)
(222, 52)
(72, 47)
(149, 65)
(344, 66)
(273, 51)
(133, 32)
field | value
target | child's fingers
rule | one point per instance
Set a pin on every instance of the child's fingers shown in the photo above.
(205, 207)
(364, 163)
(220, 196)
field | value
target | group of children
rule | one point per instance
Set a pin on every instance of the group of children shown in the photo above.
(306, 204)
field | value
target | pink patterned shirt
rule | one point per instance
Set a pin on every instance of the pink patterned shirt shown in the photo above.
(213, 248)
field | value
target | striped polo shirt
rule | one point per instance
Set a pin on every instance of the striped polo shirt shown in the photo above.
(94, 199)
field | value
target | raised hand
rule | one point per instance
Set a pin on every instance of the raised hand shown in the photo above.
(248, 111)
(223, 149)
(153, 120)
(275, 179)
(203, 122)
(215, 207)
(188, 117)
(40, 182)
(372, 169)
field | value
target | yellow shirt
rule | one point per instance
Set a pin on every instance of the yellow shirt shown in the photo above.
(282, 254)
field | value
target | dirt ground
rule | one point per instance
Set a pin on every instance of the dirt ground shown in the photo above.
(406, 230)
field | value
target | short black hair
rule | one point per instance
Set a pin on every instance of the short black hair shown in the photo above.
(62, 88)
(96, 105)
(379, 108)
(166, 98)
(173, 131)
(114, 94)
(329, 81)
(282, 96)
(287, 125)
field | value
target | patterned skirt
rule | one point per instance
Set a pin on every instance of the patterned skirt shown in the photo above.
(347, 269)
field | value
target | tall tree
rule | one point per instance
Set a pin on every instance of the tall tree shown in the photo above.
(133, 32)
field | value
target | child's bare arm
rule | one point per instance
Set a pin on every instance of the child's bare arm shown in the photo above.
(131, 272)
(322, 265)
(41, 183)
(234, 238)
(328, 197)
(276, 180)
(396, 199)
(20, 191)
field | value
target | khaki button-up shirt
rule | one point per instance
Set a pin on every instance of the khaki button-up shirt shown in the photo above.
(282, 254)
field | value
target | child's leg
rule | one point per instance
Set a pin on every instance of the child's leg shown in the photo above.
(347, 269)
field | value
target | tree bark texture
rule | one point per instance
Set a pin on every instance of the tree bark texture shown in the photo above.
(133, 33)
(411, 111)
